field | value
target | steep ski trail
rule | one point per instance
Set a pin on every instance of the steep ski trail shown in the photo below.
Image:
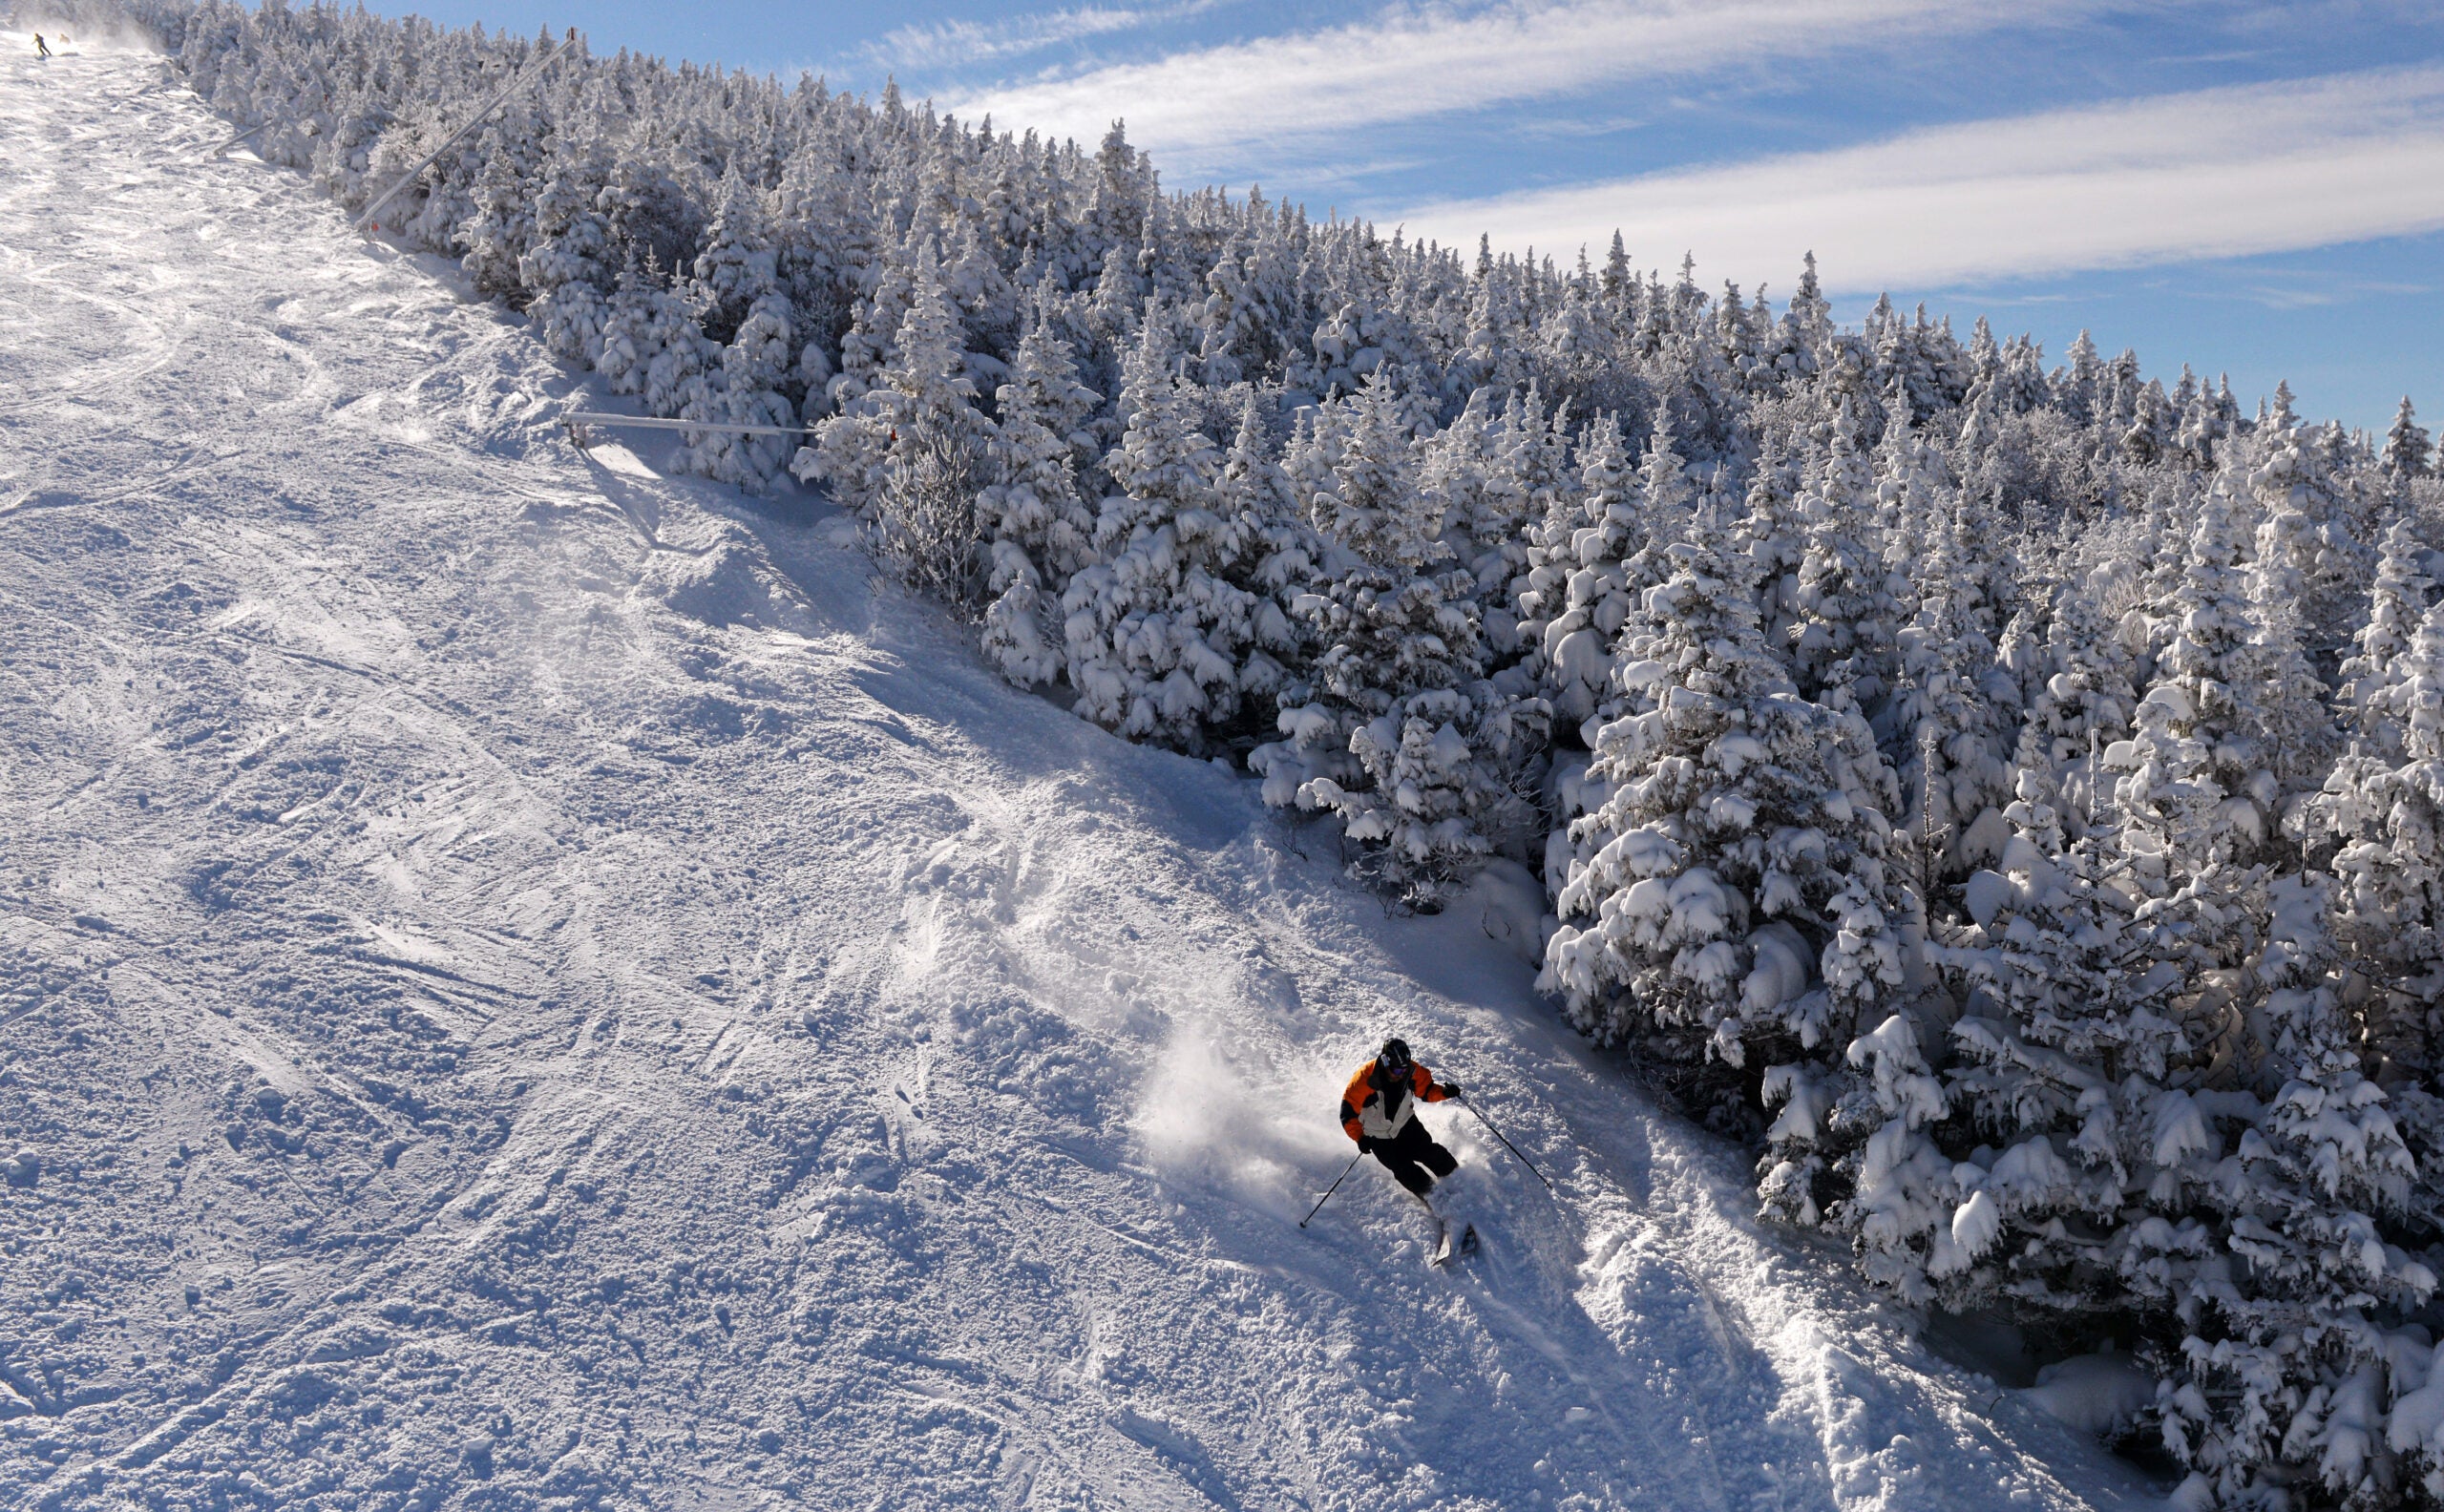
(528, 982)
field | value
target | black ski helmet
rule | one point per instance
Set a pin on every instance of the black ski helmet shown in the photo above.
(1395, 1054)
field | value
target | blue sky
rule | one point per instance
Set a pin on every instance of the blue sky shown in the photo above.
(2251, 189)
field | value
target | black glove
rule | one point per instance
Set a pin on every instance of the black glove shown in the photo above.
(1365, 1144)
(1452, 1089)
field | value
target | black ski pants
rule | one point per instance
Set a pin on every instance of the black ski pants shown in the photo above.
(1411, 1154)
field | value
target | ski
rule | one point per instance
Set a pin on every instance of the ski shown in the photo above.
(1464, 1245)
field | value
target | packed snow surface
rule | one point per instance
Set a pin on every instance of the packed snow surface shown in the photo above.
(528, 981)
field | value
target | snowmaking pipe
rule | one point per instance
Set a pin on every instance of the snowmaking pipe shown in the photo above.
(1506, 1144)
(233, 142)
(578, 418)
(1334, 1188)
(529, 77)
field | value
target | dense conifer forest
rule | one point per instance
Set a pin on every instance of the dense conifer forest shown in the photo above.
(2006, 792)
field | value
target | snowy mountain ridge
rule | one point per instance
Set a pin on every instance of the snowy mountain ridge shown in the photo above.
(530, 981)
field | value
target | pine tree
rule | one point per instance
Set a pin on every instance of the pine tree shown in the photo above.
(2398, 602)
(2407, 447)
(2082, 708)
(738, 265)
(1527, 476)
(572, 268)
(2066, 1070)
(2078, 383)
(2149, 435)
(499, 228)
(741, 305)
(1427, 764)
(1738, 858)
(1775, 538)
(1042, 528)
(2282, 700)
(2281, 1373)
(2381, 817)
(909, 455)
(1947, 734)
(1284, 562)
(2196, 799)
(1578, 595)
(2300, 475)
(651, 344)
(1847, 619)
(1454, 479)
(1156, 630)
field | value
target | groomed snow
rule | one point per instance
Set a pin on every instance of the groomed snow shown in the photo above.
(524, 981)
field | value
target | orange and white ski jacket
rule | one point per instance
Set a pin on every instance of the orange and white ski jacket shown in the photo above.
(1370, 1109)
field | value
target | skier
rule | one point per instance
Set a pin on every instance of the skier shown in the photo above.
(41, 50)
(1379, 1110)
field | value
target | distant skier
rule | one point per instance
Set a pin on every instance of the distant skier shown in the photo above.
(42, 49)
(1379, 1110)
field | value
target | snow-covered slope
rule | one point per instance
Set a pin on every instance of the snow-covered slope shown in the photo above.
(527, 982)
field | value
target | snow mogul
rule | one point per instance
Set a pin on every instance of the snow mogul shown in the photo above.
(1379, 1110)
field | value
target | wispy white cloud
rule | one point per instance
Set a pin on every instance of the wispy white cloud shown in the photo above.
(1410, 61)
(949, 44)
(2173, 178)
(2315, 293)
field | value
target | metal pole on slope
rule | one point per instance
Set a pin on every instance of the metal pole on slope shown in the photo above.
(576, 417)
(251, 131)
(1506, 1144)
(1334, 1188)
(523, 79)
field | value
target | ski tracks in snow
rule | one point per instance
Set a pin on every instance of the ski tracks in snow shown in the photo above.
(524, 981)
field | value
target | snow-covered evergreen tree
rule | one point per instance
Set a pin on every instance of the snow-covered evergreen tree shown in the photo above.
(909, 455)
(2082, 707)
(741, 304)
(571, 269)
(2064, 1067)
(1848, 617)
(2281, 1375)
(2407, 446)
(1156, 629)
(1043, 528)
(2398, 602)
(651, 344)
(1426, 763)
(2196, 799)
(2285, 702)
(1733, 898)
(2381, 817)
(1946, 731)
(1596, 559)
(1776, 540)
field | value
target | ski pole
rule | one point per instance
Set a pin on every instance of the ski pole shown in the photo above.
(1506, 1144)
(1334, 1188)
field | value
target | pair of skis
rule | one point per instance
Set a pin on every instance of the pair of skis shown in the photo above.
(1449, 1245)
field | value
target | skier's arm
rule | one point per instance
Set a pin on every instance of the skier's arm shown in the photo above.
(1352, 1099)
(1427, 1089)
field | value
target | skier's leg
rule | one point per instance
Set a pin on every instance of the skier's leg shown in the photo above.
(1437, 1160)
(1402, 1161)
(1411, 1154)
